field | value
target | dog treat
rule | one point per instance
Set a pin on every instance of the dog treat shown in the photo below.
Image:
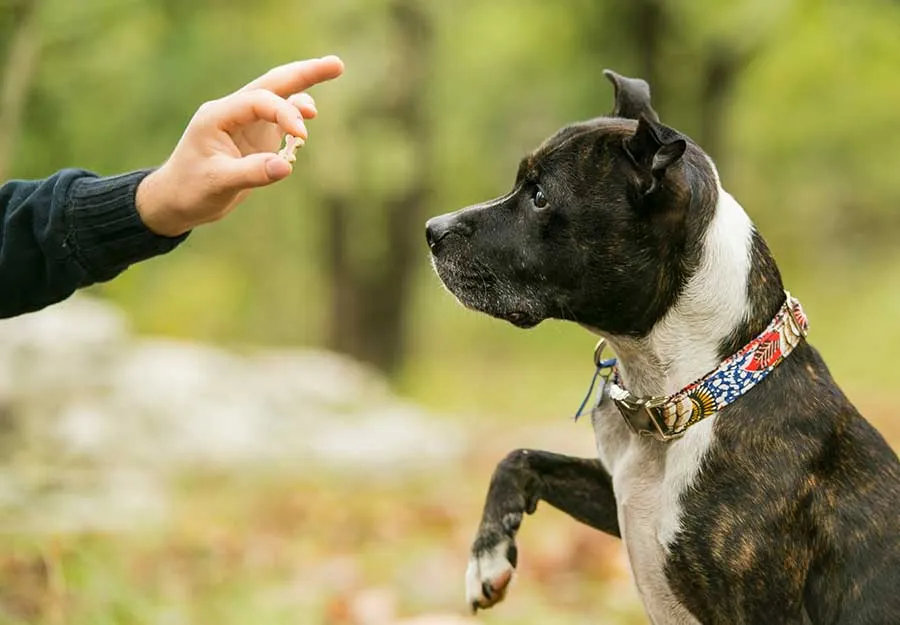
(289, 151)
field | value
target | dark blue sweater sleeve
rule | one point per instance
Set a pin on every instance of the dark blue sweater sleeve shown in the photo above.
(68, 231)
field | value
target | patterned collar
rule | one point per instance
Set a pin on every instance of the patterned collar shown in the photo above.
(665, 418)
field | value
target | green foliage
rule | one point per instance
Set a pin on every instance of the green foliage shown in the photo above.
(810, 142)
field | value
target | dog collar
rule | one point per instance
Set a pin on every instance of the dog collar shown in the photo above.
(665, 418)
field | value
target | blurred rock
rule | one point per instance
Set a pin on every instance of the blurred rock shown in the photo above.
(60, 351)
(94, 421)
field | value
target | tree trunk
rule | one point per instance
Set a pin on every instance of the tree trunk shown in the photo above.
(369, 308)
(21, 59)
(721, 66)
(649, 24)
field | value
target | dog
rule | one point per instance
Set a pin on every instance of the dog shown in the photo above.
(745, 486)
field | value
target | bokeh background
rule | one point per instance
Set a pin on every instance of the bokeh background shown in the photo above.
(288, 420)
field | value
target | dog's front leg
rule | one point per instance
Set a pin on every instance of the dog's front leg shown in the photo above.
(580, 487)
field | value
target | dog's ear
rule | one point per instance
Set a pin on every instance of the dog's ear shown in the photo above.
(653, 152)
(632, 97)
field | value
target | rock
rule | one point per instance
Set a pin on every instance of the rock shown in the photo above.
(97, 420)
(60, 350)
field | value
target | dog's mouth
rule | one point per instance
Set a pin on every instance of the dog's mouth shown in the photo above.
(479, 288)
(520, 319)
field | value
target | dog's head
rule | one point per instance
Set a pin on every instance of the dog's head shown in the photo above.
(603, 225)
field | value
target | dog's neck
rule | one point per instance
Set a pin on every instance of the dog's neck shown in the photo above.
(731, 296)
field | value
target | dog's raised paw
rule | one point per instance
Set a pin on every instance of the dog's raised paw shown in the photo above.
(489, 574)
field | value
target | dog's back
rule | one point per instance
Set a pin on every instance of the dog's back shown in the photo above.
(796, 510)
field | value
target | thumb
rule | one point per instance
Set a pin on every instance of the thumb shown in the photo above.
(255, 170)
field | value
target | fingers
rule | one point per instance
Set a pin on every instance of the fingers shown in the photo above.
(297, 76)
(255, 170)
(276, 97)
(305, 104)
(244, 108)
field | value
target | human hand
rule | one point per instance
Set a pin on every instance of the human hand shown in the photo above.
(229, 147)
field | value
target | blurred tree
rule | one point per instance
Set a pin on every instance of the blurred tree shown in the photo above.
(370, 292)
(796, 99)
(648, 24)
(692, 54)
(722, 40)
(20, 45)
(720, 70)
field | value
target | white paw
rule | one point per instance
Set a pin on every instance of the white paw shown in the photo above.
(488, 576)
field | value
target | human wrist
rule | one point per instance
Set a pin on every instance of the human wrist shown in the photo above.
(156, 206)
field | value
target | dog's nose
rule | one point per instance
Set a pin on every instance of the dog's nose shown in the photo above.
(436, 229)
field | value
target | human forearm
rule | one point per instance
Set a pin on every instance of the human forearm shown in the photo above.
(68, 231)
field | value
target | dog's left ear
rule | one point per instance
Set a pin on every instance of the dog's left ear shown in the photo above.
(652, 153)
(632, 97)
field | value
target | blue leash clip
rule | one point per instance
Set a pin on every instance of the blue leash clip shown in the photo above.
(601, 366)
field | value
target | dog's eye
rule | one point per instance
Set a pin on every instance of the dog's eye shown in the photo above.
(539, 199)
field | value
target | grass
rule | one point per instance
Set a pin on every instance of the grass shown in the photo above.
(328, 548)
(260, 549)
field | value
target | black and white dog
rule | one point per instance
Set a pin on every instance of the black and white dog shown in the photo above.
(745, 486)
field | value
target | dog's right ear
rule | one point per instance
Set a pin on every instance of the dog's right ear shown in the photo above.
(653, 152)
(632, 97)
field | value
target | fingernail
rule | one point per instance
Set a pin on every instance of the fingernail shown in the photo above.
(277, 168)
(304, 133)
(333, 57)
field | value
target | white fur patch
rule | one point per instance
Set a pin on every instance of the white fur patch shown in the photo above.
(688, 338)
(683, 460)
(650, 477)
(487, 567)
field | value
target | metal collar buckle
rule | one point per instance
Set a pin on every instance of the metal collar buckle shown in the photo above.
(643, 416)
(599, 362)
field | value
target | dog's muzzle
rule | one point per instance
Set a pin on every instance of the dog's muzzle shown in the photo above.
(438, 228)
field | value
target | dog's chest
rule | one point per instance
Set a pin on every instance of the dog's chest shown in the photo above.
(648, 479)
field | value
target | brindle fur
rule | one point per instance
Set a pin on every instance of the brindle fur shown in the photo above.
(794, 516)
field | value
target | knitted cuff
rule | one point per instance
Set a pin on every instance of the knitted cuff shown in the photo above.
(105, 228)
